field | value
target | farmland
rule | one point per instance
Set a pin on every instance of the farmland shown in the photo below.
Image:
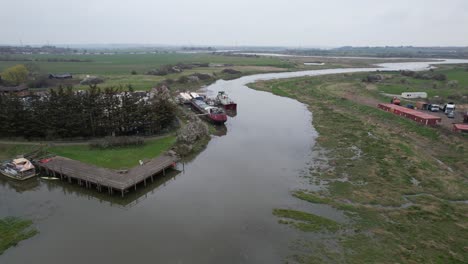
(124, 70)
(116, 69)
(454, 88)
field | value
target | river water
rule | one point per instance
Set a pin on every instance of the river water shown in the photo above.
(217, 210)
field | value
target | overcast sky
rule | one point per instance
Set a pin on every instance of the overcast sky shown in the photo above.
(236, 22)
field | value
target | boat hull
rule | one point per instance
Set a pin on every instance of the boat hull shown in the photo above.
(231, 106)
(17, 177)
(218, 119)
(214, 118)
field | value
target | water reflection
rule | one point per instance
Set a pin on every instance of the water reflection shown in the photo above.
(20, 186)
(131, 198)
(231, 113)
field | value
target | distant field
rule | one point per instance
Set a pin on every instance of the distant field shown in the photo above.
(125, 63)
(433, 88)
(459, 74)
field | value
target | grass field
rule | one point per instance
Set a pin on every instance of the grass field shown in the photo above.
(117, 158)
(9, 151)
(116, 69)
(382, 171)
(13, 230)
(398, 84)
(141, 63)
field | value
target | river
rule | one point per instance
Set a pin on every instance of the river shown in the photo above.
(217, 210)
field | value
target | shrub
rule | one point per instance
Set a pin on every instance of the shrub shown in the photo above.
(91, 80)
(41, 81)
(439, 77)
(202, 76)
(15, 75)
(230, 71)
(183, 79)
(452, 84)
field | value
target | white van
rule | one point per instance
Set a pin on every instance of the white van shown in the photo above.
(434, 108)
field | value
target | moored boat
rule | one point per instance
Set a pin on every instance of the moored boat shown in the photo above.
(214, 114)
(196, 96)
(18, 169)
(184, 98)
(225, 101)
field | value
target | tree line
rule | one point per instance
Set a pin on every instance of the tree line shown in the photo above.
(65, 113)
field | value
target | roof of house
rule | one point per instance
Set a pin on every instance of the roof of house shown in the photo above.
(13, 89)
(62, 75)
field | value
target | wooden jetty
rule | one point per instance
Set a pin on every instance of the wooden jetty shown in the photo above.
(91, 176)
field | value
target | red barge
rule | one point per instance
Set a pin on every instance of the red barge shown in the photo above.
(214, 114)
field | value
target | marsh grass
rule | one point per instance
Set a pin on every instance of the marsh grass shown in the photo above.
(13, 230)
(372, 188)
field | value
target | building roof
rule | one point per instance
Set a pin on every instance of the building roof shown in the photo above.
(13, 89)
(62, 75)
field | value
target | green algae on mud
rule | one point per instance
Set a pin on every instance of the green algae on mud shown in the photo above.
(372, 160)
(13, 230)
(305, 221)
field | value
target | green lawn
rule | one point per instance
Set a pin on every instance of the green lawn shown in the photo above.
(401, 84)
(115, 158)
(9, 151)
(460, 74)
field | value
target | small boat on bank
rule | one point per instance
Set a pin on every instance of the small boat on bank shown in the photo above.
(18, 169)
(223, 99)
(214, 114)
(184, 98)
(196, 96)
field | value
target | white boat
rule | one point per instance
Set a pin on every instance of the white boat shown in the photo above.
(196, 96)
(184, 98)
(225, 101)
(18, 169)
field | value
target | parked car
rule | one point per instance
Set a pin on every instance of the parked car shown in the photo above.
(434, 108)
(451, 114)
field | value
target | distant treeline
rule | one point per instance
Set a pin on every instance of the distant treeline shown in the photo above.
(386, 52)
(35, 50)
(47, 60)
(94, 113)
